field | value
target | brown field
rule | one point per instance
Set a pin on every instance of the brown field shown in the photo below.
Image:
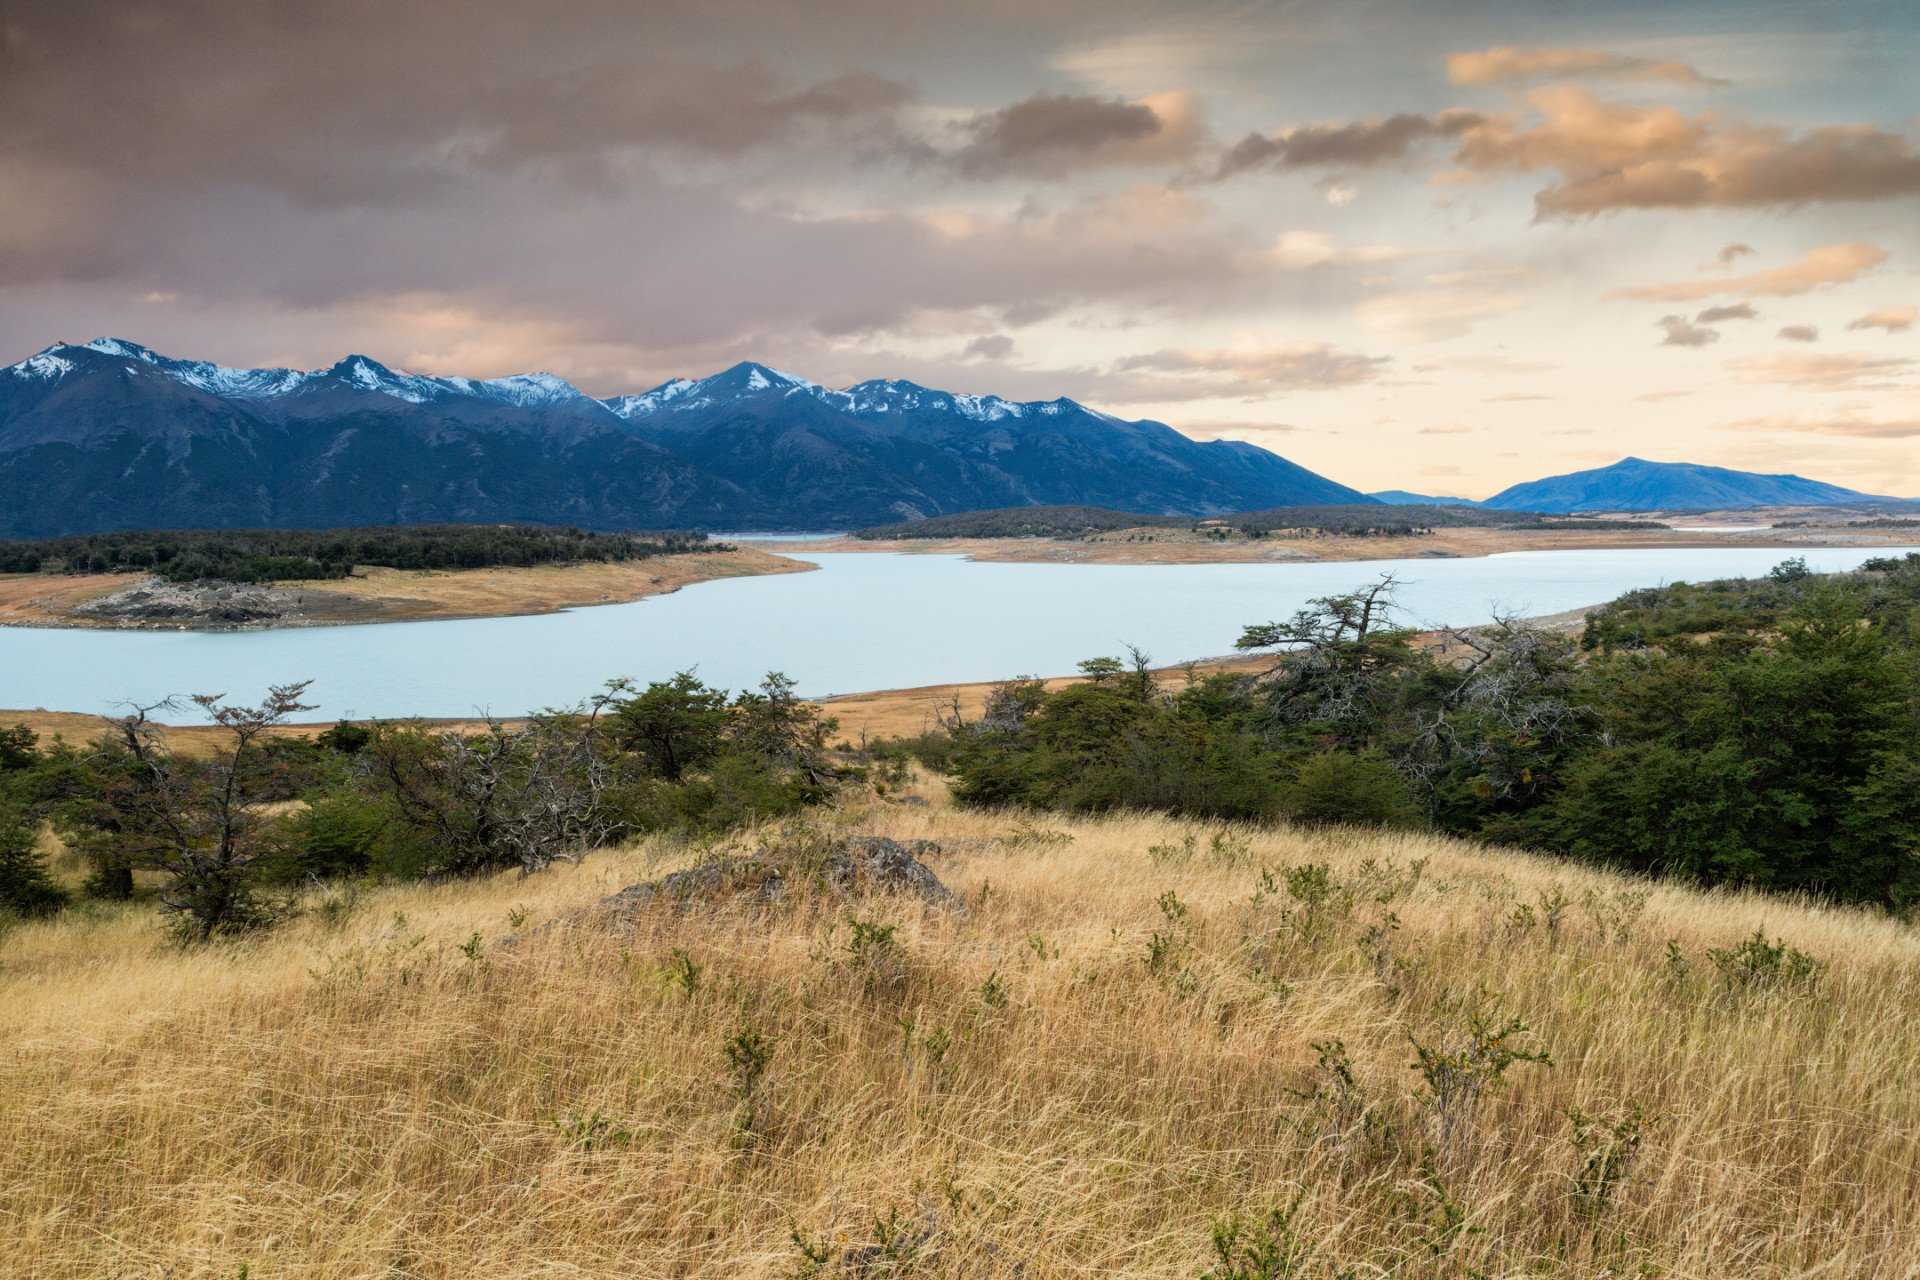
(905, 713)
(33, 599)
(410, 595)
(1180, 546)
(1019, 1090)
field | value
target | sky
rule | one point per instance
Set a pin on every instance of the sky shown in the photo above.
(1439, 245)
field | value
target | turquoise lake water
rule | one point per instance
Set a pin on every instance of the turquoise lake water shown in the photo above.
(861, 621)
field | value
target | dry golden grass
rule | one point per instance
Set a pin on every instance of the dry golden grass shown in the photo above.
(906, 713)
(356, 1096)
(412, 595)
(32, 599)
(405, 595)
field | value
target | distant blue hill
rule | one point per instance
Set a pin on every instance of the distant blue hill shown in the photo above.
(1403, 498)
(1634, 484)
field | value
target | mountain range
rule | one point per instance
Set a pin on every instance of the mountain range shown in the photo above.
(1634, 484)
(110, 435)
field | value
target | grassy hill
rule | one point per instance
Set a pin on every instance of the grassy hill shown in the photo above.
(1138, 1029)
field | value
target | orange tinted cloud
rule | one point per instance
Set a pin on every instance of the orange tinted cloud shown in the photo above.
(1892, 319)
(1609, 156)
(1821, 371)
(1831, 265)
(1512, 64)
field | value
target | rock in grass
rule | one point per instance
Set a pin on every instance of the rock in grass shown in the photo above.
(845, 868)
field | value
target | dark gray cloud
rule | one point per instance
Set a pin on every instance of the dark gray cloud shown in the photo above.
(1799, 333)
(1352, 144)
(1050, 134)
(1727, 311)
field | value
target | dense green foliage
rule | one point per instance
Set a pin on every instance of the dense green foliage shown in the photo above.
(271, 555)
(1762, 732)
(212, 837)
(1377, 519)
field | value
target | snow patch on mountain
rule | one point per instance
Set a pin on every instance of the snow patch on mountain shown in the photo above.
(45, 366)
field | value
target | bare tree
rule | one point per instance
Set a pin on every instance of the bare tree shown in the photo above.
(199, 820)
(527, 794)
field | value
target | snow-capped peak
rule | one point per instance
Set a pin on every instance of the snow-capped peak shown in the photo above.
(751, 376)
(48, 365)
(528, 390)
(631, 407)
(121, 347)
(369, 374)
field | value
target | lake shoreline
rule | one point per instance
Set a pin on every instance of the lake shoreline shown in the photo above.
(1157, 546)
(373, 596)
(859, 626)
(863, 714)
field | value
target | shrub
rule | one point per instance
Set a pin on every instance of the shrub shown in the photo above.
(1362, 788)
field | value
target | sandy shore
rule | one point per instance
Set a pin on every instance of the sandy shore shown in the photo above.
(404, 595)
(1180, 546)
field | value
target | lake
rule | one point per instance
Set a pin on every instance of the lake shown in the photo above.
(862, 621)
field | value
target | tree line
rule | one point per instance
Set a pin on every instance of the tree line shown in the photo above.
(225, 839)
(275, 555)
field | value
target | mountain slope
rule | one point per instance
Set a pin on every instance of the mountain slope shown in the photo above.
(112, 435)
(902, 451)
(1634, 484)
(96, 439)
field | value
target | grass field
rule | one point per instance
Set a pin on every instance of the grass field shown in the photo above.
(1109, 1050)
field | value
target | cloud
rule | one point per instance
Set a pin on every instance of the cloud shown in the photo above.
(1822, 371)
(1799, 333)
(1445, 429)
(1434, 315)
(1850, 420)
(1727, 255)
(1681, 333)
(1892, 319)
(1513, 397)
(1352, 144)
(1817, 269)
(1661, 397)
(1194, 373)
(1304, 250)
(1727, 311)
(990, 346)
(1609, 156)
(1512, 64)
(1050, 135)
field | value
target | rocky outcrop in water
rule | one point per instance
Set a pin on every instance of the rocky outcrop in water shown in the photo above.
(203, 604)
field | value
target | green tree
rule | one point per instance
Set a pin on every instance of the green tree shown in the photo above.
(26, 889)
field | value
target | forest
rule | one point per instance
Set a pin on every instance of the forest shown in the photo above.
(277, 555)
